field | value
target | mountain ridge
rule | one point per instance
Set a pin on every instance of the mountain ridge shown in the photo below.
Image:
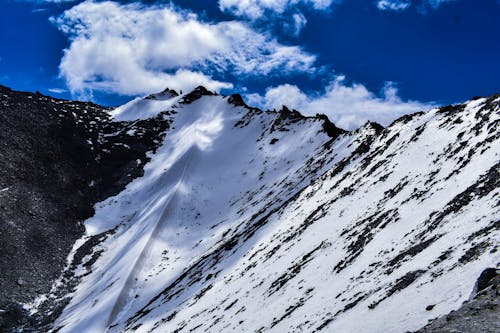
(318, 160)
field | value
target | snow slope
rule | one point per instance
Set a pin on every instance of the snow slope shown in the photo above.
(270, 221)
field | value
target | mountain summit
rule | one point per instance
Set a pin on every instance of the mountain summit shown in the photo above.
(213, 216)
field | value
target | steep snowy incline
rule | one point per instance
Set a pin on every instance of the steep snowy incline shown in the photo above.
(148, 107)
(271, 221)
(395, 233)
(221, 165)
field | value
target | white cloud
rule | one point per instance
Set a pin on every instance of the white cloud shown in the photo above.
(50, 1)
(57, 90)
(348, 106)
(255, 9)
(400, 5)
(134, 49)
(287, 13)
(275, 97)
(396, 5)
(299, 22)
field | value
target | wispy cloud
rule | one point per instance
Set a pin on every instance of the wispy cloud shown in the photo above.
(299, 21)
(57, 90)
(255, 9)
(401, 5)
(396, 5)
(49, 1)
(286, 13)
(436, 3)
(347, 105)
(134, 48)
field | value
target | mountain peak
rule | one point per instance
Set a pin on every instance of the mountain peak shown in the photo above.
(329, 127)
(165, 94)
(196, 93)
(236, 100)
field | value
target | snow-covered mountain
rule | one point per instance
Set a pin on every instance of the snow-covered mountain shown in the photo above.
(252, 221)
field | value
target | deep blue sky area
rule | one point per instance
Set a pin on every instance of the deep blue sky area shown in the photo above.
(444, 55)
(30, 47)
(447, 54)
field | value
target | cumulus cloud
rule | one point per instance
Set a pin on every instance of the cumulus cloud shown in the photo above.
(347, 105)
(134, 49)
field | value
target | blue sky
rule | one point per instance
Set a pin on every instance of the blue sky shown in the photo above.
(354, 60)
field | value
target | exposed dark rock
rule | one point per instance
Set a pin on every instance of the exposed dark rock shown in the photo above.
(329, 127)
(485, 279)
(451, 108)
(168, 93)
(430, 307)
(57, 159)
(406, 118)
(196, 94)
(399, 285)
(480, 314)
(236, 100)
(286, 113)
(295, 269)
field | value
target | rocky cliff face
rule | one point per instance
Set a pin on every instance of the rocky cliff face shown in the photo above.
(57, 159)
(216, 216)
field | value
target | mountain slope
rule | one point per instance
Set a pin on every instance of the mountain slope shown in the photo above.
(57, 159)
(272, 221)
(216, 216)
(189, 171)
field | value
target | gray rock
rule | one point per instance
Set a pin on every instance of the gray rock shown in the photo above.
(481, 314)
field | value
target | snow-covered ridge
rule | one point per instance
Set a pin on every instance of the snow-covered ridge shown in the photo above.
(249, 220)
